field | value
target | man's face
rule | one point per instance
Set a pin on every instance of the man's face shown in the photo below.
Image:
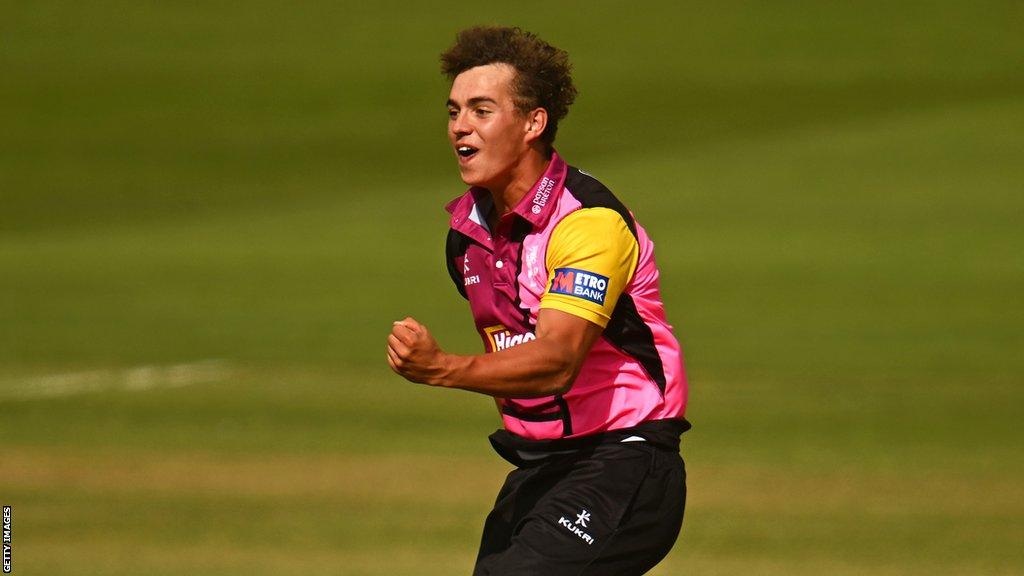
(486, 130)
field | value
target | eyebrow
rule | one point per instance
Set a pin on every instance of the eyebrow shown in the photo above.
(473, 101)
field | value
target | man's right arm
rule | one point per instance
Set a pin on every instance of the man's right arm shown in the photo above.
(545, 366)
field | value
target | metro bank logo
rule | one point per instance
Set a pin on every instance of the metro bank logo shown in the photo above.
(579, 283)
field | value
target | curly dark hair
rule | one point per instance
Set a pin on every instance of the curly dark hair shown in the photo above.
(543, 74)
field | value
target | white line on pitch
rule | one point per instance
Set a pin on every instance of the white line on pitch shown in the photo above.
(137, 378)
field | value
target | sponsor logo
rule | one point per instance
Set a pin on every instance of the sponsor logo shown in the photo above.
(502, 338)
(582, 518)
(532, 270)
(469, 280)
(579, 283)
(540, 198)
(575, 527)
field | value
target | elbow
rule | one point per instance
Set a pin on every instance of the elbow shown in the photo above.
(562, 379)
(562, 385)
(554, 380)
(553, 383)
(556, 367)
(563, 367)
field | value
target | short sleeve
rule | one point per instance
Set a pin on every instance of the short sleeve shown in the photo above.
(591, 257)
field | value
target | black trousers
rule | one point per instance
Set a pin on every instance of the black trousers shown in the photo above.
(613, 509)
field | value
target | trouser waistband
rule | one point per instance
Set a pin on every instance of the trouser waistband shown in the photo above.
(523, 452)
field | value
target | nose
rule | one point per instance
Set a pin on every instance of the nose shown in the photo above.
(460, 126)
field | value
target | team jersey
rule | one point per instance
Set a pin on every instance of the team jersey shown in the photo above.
(570, 245)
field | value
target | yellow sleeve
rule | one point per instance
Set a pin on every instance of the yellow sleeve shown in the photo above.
(591, 258)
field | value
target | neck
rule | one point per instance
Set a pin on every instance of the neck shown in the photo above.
(524, 175)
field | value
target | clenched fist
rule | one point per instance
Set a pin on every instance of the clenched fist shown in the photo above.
(414, 354)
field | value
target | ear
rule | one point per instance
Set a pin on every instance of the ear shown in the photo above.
(536, 122)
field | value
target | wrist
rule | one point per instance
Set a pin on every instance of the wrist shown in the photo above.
(452, 366)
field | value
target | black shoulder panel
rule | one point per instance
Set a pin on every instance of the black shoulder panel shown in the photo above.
(455, 246)
(628, 332)
(592, 194)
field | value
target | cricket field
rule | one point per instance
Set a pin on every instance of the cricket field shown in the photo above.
(210, 214)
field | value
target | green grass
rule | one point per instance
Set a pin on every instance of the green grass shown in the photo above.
(835, 196)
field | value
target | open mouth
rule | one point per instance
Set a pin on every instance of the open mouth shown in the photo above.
(465, 151)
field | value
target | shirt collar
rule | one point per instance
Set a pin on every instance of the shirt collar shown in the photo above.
(538, 204)
(469, 216)
(469, 211)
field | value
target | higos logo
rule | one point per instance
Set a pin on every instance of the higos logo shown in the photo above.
(579, 283)
(502, 338)
(468, 280)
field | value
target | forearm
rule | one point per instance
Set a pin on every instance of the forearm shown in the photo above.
(530, 370)
(542, 367)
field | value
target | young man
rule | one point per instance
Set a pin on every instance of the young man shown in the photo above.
(563, 287)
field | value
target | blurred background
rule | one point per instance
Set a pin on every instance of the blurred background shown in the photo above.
(211, 212)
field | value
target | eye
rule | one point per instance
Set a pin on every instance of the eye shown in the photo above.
(452, 113)
(482, 112)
